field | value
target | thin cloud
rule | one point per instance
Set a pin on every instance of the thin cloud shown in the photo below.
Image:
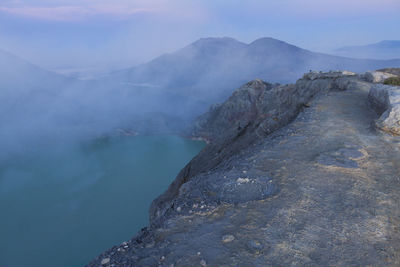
(344, 7)
(73, 13)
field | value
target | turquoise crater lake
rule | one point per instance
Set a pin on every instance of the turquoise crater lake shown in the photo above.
(64, 206)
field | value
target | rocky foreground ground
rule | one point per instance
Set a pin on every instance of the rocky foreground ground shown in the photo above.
(295, 175)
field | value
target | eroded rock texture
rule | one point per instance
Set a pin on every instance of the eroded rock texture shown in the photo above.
(317, 186)
(386, 100)
(377, 76)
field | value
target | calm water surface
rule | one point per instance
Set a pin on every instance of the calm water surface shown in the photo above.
(65, 205)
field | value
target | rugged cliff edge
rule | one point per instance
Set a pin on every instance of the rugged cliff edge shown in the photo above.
(294, 175)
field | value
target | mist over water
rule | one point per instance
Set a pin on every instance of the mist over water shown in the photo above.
(64, 205)
(70, 185)
(162, 96)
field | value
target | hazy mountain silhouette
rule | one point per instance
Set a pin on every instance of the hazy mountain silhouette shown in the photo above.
(208, 70)
(17, 73)
(381, 50)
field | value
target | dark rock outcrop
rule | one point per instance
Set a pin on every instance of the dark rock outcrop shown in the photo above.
(266, 105)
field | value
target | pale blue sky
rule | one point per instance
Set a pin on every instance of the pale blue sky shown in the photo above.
(85, 33)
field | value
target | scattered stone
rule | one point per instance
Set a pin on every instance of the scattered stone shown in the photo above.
(246, 189)
(105, 261)
(203, 263)
(198, 253)
(178, 209)
(242, 180)
(162, 258)
(228, 238)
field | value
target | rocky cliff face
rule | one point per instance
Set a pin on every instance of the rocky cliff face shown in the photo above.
(294, 175)
(266, 105)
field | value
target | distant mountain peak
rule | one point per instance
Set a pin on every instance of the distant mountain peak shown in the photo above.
(228, 40)
(269, 41)
(266, 40)
(215, 40)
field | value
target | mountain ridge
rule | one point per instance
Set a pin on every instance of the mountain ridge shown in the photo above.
(18, 72)
(201, 42)
(386, 49)
(205, 71)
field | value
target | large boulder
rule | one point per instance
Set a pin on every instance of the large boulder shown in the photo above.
(377, 76)
(394, 71)
(385, 100)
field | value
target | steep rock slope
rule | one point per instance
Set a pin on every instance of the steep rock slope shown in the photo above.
(265, 105)
(321, 191)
